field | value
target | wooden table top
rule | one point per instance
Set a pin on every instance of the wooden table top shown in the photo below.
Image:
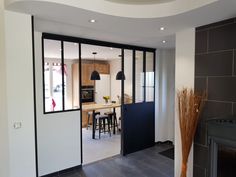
(97, 106)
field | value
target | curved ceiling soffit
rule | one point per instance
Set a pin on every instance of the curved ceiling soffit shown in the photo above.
(156, 10)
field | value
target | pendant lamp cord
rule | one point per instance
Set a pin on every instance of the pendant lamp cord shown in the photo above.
(94, 53)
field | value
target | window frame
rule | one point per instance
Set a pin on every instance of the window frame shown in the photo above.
(62, 60)
(80, 41)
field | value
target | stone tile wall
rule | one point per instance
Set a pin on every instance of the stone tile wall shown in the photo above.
(215, 72)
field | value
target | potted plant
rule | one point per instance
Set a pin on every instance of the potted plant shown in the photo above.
(106, 98)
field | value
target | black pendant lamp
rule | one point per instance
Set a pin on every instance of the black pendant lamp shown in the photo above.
(120, 75)
(95, 75)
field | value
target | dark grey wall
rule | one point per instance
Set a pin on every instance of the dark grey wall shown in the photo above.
(215, 72)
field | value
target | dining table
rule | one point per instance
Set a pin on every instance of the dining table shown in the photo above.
(99, 106)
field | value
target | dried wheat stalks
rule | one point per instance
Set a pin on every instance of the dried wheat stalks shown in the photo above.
(190, 106)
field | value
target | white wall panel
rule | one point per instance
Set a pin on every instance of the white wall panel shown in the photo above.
(59, 141)
(20, 100)
(4, 156)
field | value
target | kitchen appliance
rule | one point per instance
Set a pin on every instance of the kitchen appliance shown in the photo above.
(87, 93)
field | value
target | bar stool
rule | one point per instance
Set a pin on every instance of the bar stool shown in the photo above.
(101, 119)
(114, 123)
(90, 114)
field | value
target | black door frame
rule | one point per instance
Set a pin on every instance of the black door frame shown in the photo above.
(80, 41)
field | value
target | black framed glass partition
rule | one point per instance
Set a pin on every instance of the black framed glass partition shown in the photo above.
(62, 84)
(61, 91)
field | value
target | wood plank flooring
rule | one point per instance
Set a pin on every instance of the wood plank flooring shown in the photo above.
(146, 163)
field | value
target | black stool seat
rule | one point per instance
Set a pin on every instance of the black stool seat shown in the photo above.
(90, 114)
(108, 113)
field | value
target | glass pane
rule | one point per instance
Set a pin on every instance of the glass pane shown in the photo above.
(52, 75)
(139, 77)
(57, 86)
(71, 75)
(128, 82)
(47, 86)
(149, 76)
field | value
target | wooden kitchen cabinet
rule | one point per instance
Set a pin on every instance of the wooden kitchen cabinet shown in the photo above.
(84, 119)
(75, 85)
(102, 68)
(87, 69)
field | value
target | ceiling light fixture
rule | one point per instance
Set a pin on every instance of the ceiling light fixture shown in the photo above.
(95, 75)
(163, 41)
(120, 75)
(92, 21)
(162, 28)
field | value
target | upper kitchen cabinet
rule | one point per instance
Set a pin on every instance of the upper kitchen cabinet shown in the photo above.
(102, 68)
(87, 69)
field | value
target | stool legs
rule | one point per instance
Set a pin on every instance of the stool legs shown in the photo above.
(109, 120)
(88, 121)
(115, 124)
(100, 127)
(102, 122)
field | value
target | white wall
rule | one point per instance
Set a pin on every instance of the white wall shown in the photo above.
(20, 102)
(115, 66)
(165, 95)
(184, 77)
(59, 139)
(4, 156)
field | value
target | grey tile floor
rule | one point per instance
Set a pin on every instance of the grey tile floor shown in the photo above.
(146, 163)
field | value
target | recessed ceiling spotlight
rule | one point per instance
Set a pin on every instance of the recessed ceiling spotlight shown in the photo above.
(163, 41)
(92, 20)
(162, 28)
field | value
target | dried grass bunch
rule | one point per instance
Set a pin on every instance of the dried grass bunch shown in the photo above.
(190, 107)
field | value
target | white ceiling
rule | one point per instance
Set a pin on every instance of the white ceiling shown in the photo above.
(134, 10)
(140, 1)
(74, 21)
